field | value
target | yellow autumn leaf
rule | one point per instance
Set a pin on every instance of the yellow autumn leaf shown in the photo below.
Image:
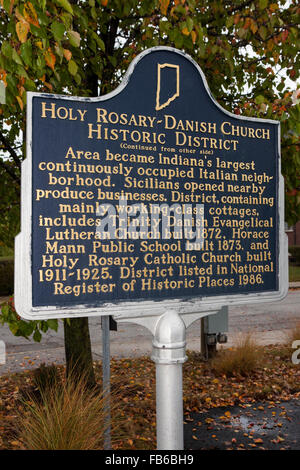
(30, 14)
(253, 27)
(270, 45)
(194, 36)
(21, 90)
(19, 99)
(3, 75)
(15, 443)
(22, 29)
(19, 16)
(48, 85)
(164, 6)
(50, 58)
(185, 31)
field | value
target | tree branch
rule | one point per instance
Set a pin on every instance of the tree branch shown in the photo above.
(9, 171)
(9, 148)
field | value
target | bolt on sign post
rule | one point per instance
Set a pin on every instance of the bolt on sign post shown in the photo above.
(152, 204)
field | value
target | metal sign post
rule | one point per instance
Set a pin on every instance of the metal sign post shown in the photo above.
(106, 380)
(169, 355)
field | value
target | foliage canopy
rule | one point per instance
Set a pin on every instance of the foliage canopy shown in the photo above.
(83, 47)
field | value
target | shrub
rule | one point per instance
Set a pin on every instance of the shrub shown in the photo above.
(69, 417)
(295, 252)
(25, 328)
(241, 360)
(6, 251)
(6, 275)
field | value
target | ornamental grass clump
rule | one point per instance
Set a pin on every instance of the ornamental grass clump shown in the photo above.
(67, 416)
(242, 360)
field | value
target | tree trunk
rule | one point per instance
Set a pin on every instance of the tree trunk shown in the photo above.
(78, 349)
(77, 337)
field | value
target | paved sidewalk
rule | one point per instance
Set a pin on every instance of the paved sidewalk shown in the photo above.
(270, 323)
(294, 285)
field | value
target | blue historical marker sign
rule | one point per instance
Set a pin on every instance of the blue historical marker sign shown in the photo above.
(150, 196)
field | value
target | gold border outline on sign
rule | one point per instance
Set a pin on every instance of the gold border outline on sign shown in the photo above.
(176, 95)
(142, 312)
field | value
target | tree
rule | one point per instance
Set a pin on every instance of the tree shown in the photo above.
(246, 49)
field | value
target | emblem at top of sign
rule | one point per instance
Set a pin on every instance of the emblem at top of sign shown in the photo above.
(161, 83)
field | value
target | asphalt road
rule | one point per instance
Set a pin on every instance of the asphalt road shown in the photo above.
(269, 323)
(258, 426)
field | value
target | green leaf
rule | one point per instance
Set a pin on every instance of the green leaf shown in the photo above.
(30, 85)
(26, 52)
(263, 32)
(42, 4)
(229, 21)
(25, 328)
(189, 23)
(178, 40)
(263, 4)
(53, 324)
(44, 326)
(214, 49)
(5, 309)
(6, 49)
(77, 78)
(112, 60)
(14, 328)
(66, 5)
(259, 99)
(100, 43)
(37, 336)
(72, 67)
(40, 33)
(40, 62)
(74, 38)
(58, 30)
(16, 58)
(7, 5)
(94, 13)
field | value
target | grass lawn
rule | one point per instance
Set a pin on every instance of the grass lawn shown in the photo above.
(294, 273)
